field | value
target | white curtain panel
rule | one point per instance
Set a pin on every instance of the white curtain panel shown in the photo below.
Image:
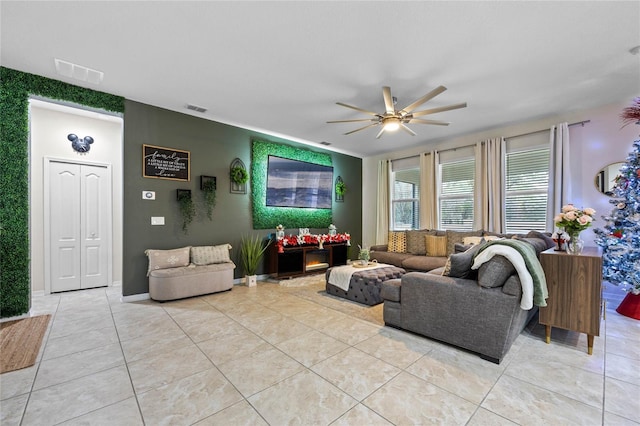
(489, 193)
(559, 172)
(383, 207)
(428, 191)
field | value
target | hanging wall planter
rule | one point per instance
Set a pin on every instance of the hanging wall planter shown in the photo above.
(208, 186)
(238, 176)
(340, 188)
(187, 208)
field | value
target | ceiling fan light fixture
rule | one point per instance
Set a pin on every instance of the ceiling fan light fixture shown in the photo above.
(391, 124)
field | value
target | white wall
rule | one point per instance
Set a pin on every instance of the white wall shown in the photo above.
(49, 126)
(593, 146)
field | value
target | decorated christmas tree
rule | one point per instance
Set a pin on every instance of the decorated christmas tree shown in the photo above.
(620, 238)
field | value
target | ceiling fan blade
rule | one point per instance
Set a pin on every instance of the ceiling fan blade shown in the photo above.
(361, 128)
(439, 109)
(353, 121)
(422, 121)
(406, 129)
(432, 94)
(388, 100)
(380, 133)
(357, 109)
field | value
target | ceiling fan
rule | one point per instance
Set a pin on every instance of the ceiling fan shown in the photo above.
(393, 119)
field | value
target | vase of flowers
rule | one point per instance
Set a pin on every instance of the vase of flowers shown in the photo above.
(574, 221)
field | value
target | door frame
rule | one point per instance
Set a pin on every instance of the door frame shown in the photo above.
(47, 217)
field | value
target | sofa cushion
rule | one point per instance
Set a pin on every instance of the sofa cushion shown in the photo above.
(397, 242)
(206, 255)
(391, 290)
(390, 258)
(436, 246)
(416, 243)
(192, 270)
(454, 237)
(163, 259)
(495, 272)
(423, 263)
(460, 263)
(547, 238)
(512, 286)
(538, 243)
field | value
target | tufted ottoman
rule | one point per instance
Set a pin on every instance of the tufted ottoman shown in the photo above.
(365, 285)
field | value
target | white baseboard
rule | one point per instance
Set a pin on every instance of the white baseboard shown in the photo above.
(241, 281)
(116, 284)
(135, 297)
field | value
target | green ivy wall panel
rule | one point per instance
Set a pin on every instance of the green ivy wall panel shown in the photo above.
(264, 216)
(15, 89)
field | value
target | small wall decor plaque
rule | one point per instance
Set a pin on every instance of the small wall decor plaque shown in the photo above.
(166, 163)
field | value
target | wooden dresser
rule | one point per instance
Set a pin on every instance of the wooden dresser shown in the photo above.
(575, 292)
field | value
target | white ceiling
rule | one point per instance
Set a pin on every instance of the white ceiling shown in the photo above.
(279, 67)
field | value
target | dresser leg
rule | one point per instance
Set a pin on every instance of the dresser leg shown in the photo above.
(590, 344)
(547, 333)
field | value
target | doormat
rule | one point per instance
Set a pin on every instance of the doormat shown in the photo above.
(20, 342)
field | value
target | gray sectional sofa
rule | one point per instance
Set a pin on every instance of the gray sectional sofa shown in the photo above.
(475, 310)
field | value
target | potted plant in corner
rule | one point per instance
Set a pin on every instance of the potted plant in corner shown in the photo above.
(187, 208)
(251, 252)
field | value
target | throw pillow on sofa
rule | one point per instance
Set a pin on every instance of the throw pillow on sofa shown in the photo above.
(207, 255)
(454, 237)
(459, 264)
(397, 242)
(436, 245)
(416, 242)
(164, 259)
(547, 239)
(495, 272)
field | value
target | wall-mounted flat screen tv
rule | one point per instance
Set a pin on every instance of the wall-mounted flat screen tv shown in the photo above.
(293, 183)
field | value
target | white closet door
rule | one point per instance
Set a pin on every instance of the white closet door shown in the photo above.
(79, 225)
(64, 199)
(94, 216)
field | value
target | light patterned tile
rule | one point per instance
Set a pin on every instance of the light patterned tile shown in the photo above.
(277, 329)
(17, 382)
(236, 342)
(484, 417)
(361, 415)
(123, 413)
(349, 330)
(527, 404)
(61, 346)
(407, 399)
(396, 347)
(623, 368)
(149, 345)
(463, 374)
(12, 409)
(304, 399)
(355, 372)
(163, 368)
(63, 327)
(188, 400)
(615, 420)
(312, 347)
(240, 413)
(622, 399)
(78, 397)
(259, 369)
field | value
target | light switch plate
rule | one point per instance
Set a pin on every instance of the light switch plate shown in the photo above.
(157, 220)
(148, 195)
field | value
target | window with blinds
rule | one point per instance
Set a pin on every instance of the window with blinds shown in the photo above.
(406, 199)
(455, 200)
(526, 190)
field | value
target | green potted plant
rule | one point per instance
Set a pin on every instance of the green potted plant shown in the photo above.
(187, 208)
(251, 252)
(239, 175)
(209, 189)
(341, 188)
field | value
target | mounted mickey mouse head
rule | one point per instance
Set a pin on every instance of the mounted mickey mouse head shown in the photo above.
(78, 144)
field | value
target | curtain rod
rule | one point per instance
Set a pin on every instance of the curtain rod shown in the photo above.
(582, 123)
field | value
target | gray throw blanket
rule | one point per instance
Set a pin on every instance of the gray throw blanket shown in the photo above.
(528, 253)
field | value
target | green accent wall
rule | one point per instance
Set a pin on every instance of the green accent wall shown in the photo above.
(15, 89)
(213, 146)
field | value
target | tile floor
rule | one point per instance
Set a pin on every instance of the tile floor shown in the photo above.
(277, 355)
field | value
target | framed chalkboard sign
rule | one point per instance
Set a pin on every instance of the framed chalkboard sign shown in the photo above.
(166, 163)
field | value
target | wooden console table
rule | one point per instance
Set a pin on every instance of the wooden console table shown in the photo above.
(575, 292)
(301, 260)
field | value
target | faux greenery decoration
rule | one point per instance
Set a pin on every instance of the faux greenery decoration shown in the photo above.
(15, 89)
(239, 175)
(209, 188)
(341, 188)
(187, 208)
(267, 217)
(251, 253)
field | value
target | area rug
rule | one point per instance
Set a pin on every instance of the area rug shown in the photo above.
(20, 342)
(303, 281)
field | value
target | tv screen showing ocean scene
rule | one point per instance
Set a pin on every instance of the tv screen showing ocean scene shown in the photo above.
(293, 183)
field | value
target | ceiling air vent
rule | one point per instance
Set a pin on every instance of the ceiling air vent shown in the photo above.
(325, 143)
(196, 108)
(78, 72)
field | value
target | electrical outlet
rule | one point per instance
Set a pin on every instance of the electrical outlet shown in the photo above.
(157, 220)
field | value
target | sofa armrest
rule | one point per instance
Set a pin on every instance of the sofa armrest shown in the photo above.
(379, 247)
